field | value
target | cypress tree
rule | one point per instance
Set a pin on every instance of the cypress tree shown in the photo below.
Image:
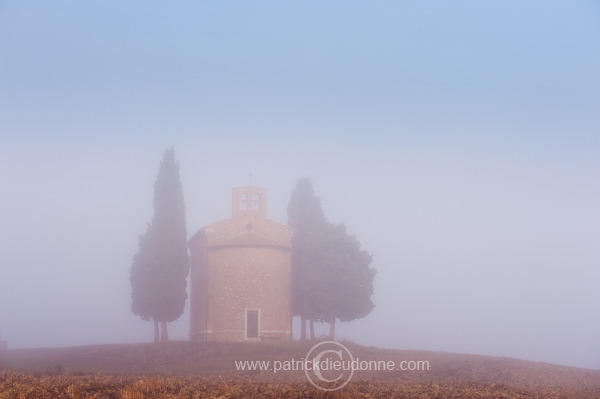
(331, 274)
(344, 287)
(160, 268)
(306, 216)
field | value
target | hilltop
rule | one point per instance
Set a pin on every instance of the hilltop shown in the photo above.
(216, 361)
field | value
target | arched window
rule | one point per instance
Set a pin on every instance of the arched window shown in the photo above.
(243, 202)
(255, 202)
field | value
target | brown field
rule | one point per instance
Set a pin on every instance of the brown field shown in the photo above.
(207, 370)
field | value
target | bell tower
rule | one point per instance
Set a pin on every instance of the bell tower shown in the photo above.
(249, 200)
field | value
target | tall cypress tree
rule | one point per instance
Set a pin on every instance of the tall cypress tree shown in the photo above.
(160, 268)
(331, 274)
(306, 216)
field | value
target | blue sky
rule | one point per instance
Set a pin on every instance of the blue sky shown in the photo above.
(457, 140)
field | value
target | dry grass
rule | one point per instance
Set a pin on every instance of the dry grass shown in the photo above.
(186, 370)
(21, 386)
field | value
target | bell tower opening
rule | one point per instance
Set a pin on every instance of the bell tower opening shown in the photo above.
(243, 205)
(255, 202)
(249, 200)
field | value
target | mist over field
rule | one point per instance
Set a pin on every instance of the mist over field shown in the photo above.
(458, 141)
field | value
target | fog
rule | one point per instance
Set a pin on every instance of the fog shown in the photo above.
(458, 141)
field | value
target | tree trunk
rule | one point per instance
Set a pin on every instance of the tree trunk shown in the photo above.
(302, 328)
(332, 329)
(156, 336)
(164, 334)
(312, 329)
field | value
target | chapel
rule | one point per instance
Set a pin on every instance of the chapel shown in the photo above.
(241, 274)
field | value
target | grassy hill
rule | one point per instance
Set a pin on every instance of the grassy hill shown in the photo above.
(214, 362)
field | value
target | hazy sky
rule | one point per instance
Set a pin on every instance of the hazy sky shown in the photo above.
(458, 140)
